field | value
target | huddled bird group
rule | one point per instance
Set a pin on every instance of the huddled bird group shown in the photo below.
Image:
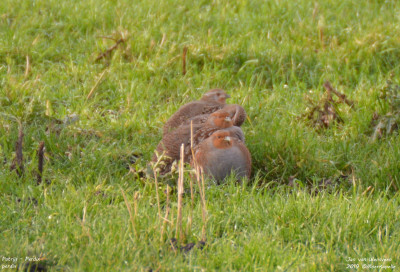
(210, 132)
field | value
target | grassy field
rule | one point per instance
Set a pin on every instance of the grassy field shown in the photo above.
(100, 121)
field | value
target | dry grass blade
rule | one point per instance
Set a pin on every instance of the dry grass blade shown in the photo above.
(164, 36)
(48, 108)
(180, 193)
(27, 67)
(130, 213)
(135, 199)
(200, 183)
(193, 158)
(85, 229)
(96, 84)
(172, 246)
(203, 208)
(190, 218)
(157, 196)
(165, 219)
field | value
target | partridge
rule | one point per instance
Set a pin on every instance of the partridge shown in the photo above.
(211, 101)
(219, 120)
(221, 154)
(236, 112)
(171, 142)
(170, 146)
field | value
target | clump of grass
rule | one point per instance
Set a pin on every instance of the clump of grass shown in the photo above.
(18, 162)
(120, 38)
(324, 113)
(387, 123)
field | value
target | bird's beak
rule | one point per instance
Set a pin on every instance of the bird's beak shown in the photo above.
(228, 96)
(227, 138)
(228, 119)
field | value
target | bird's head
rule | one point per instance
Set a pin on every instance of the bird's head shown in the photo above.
(216, 95)
(221, 139)
(220, 119)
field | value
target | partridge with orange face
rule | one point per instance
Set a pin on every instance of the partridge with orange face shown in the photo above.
(171, 142)
(236, 112)
(219, 120)
(221, 154)
(211, 101)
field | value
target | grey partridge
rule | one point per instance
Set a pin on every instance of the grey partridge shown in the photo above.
(170, 146)
(219, 120)
(211, 101)
(221, 154)
(236, 112)
(171, 142)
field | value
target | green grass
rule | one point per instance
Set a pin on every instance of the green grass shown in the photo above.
(268, 55)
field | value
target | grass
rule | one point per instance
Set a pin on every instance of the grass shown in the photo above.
(268, 56)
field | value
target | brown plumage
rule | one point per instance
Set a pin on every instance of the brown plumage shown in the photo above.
(211, 101)
(236, 112)
(171, 142)
(221, 154)
(170, 146)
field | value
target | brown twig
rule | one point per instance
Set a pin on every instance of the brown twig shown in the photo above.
(185, 49)
(40, 153)
(18, 162)
(108, 52)
(342, 97)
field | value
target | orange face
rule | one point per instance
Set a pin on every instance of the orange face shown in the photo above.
(222, 119)
(221, 140)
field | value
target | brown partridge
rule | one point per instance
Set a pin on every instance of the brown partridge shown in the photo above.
(171, 143)
(219, 120)
(236, 112)
(221, 154)
(211, 101)
(170, 146)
